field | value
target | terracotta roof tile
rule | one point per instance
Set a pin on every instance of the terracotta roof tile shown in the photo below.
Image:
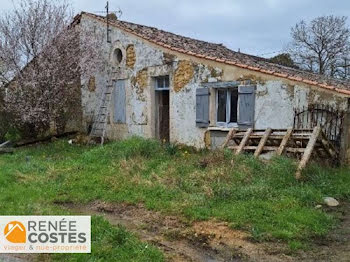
(295, 78)
(221, 54)
(254, 68)
(281, 74)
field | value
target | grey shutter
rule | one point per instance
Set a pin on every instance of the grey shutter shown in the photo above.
(246, 106)
(119, 102)
(202, 107)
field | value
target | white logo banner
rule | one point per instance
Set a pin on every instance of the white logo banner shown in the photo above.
(45, 234)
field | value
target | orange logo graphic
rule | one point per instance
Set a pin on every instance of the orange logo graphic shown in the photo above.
(15, 232)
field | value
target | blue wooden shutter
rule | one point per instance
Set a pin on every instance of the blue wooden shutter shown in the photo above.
(202, 107)
(120, 102)
(246, 106)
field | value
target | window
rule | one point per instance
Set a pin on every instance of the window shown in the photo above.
(234, 105)
(227, 104)
(162, 83)
(117, 56)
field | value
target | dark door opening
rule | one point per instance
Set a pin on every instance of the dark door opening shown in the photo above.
(163, 117)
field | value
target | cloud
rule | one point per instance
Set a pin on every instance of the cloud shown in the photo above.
(254, 26)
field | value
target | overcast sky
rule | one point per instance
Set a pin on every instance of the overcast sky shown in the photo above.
(259, 27)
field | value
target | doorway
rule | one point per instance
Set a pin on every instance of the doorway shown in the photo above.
(162, 115)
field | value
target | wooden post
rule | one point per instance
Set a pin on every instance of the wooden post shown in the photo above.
(229, 136)
(328, 146)
(244, 141)
(262, 142)
(284, 141)
(308, 151)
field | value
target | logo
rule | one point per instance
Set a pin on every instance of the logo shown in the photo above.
(15, 232)
(45, 234)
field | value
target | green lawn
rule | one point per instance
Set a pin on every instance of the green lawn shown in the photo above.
(263, 199)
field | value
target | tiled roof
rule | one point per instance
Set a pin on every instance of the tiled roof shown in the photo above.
(221, 54)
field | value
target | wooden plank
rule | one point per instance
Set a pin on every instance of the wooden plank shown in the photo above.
(270, 148)
(229, 137)
(285, 130)
(5, 144)
(262, 142)
(244, 141)
(284, 141)
(277, 137)
(308, 151)
(328, 146)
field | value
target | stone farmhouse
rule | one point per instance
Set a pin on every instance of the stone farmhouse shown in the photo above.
(192, 92)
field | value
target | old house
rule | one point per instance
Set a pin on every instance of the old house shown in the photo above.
(192, 92)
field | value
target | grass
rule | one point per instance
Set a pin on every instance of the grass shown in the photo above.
(261, 198)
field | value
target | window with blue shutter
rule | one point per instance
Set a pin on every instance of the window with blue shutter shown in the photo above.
(202, 107)
(226, 106)
(120, 102)
(246, 106)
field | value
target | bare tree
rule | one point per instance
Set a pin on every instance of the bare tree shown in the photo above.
(321, 45)
(42, 53)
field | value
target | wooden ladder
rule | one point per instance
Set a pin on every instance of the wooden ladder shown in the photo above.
(101, 114)
(301, 143)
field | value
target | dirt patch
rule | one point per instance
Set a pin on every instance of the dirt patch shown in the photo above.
(223, 239)
(180, 241)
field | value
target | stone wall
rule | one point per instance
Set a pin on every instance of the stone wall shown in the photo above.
(276, 98)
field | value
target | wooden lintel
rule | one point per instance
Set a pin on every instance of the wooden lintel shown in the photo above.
(221, 84)
(244, 141)
(262, 142)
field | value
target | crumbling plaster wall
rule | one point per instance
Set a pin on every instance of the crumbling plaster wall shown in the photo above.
(147, 61)
(137, 59)
(183, 103)
(276, 98)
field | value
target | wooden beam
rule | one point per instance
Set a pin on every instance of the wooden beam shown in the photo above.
(229, 137)
(284, 141)
(6, 144)
(308, 151)
(276, 137)
(328, 146)
(244, 141)
(221, 84)
(45, 139)
(262, 142)
(270, 148)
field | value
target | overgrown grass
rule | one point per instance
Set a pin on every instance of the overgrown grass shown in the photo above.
(262, 198)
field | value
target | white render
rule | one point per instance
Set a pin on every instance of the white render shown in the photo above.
(276, 98)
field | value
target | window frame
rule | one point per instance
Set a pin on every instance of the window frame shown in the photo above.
(164, 78)
(228, 108)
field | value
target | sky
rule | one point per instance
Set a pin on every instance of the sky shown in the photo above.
(257, 27)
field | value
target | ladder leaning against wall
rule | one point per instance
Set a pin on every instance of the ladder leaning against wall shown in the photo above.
(102, 112)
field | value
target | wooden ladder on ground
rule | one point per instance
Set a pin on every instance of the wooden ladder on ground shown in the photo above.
(99, 125)
(300, 143)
